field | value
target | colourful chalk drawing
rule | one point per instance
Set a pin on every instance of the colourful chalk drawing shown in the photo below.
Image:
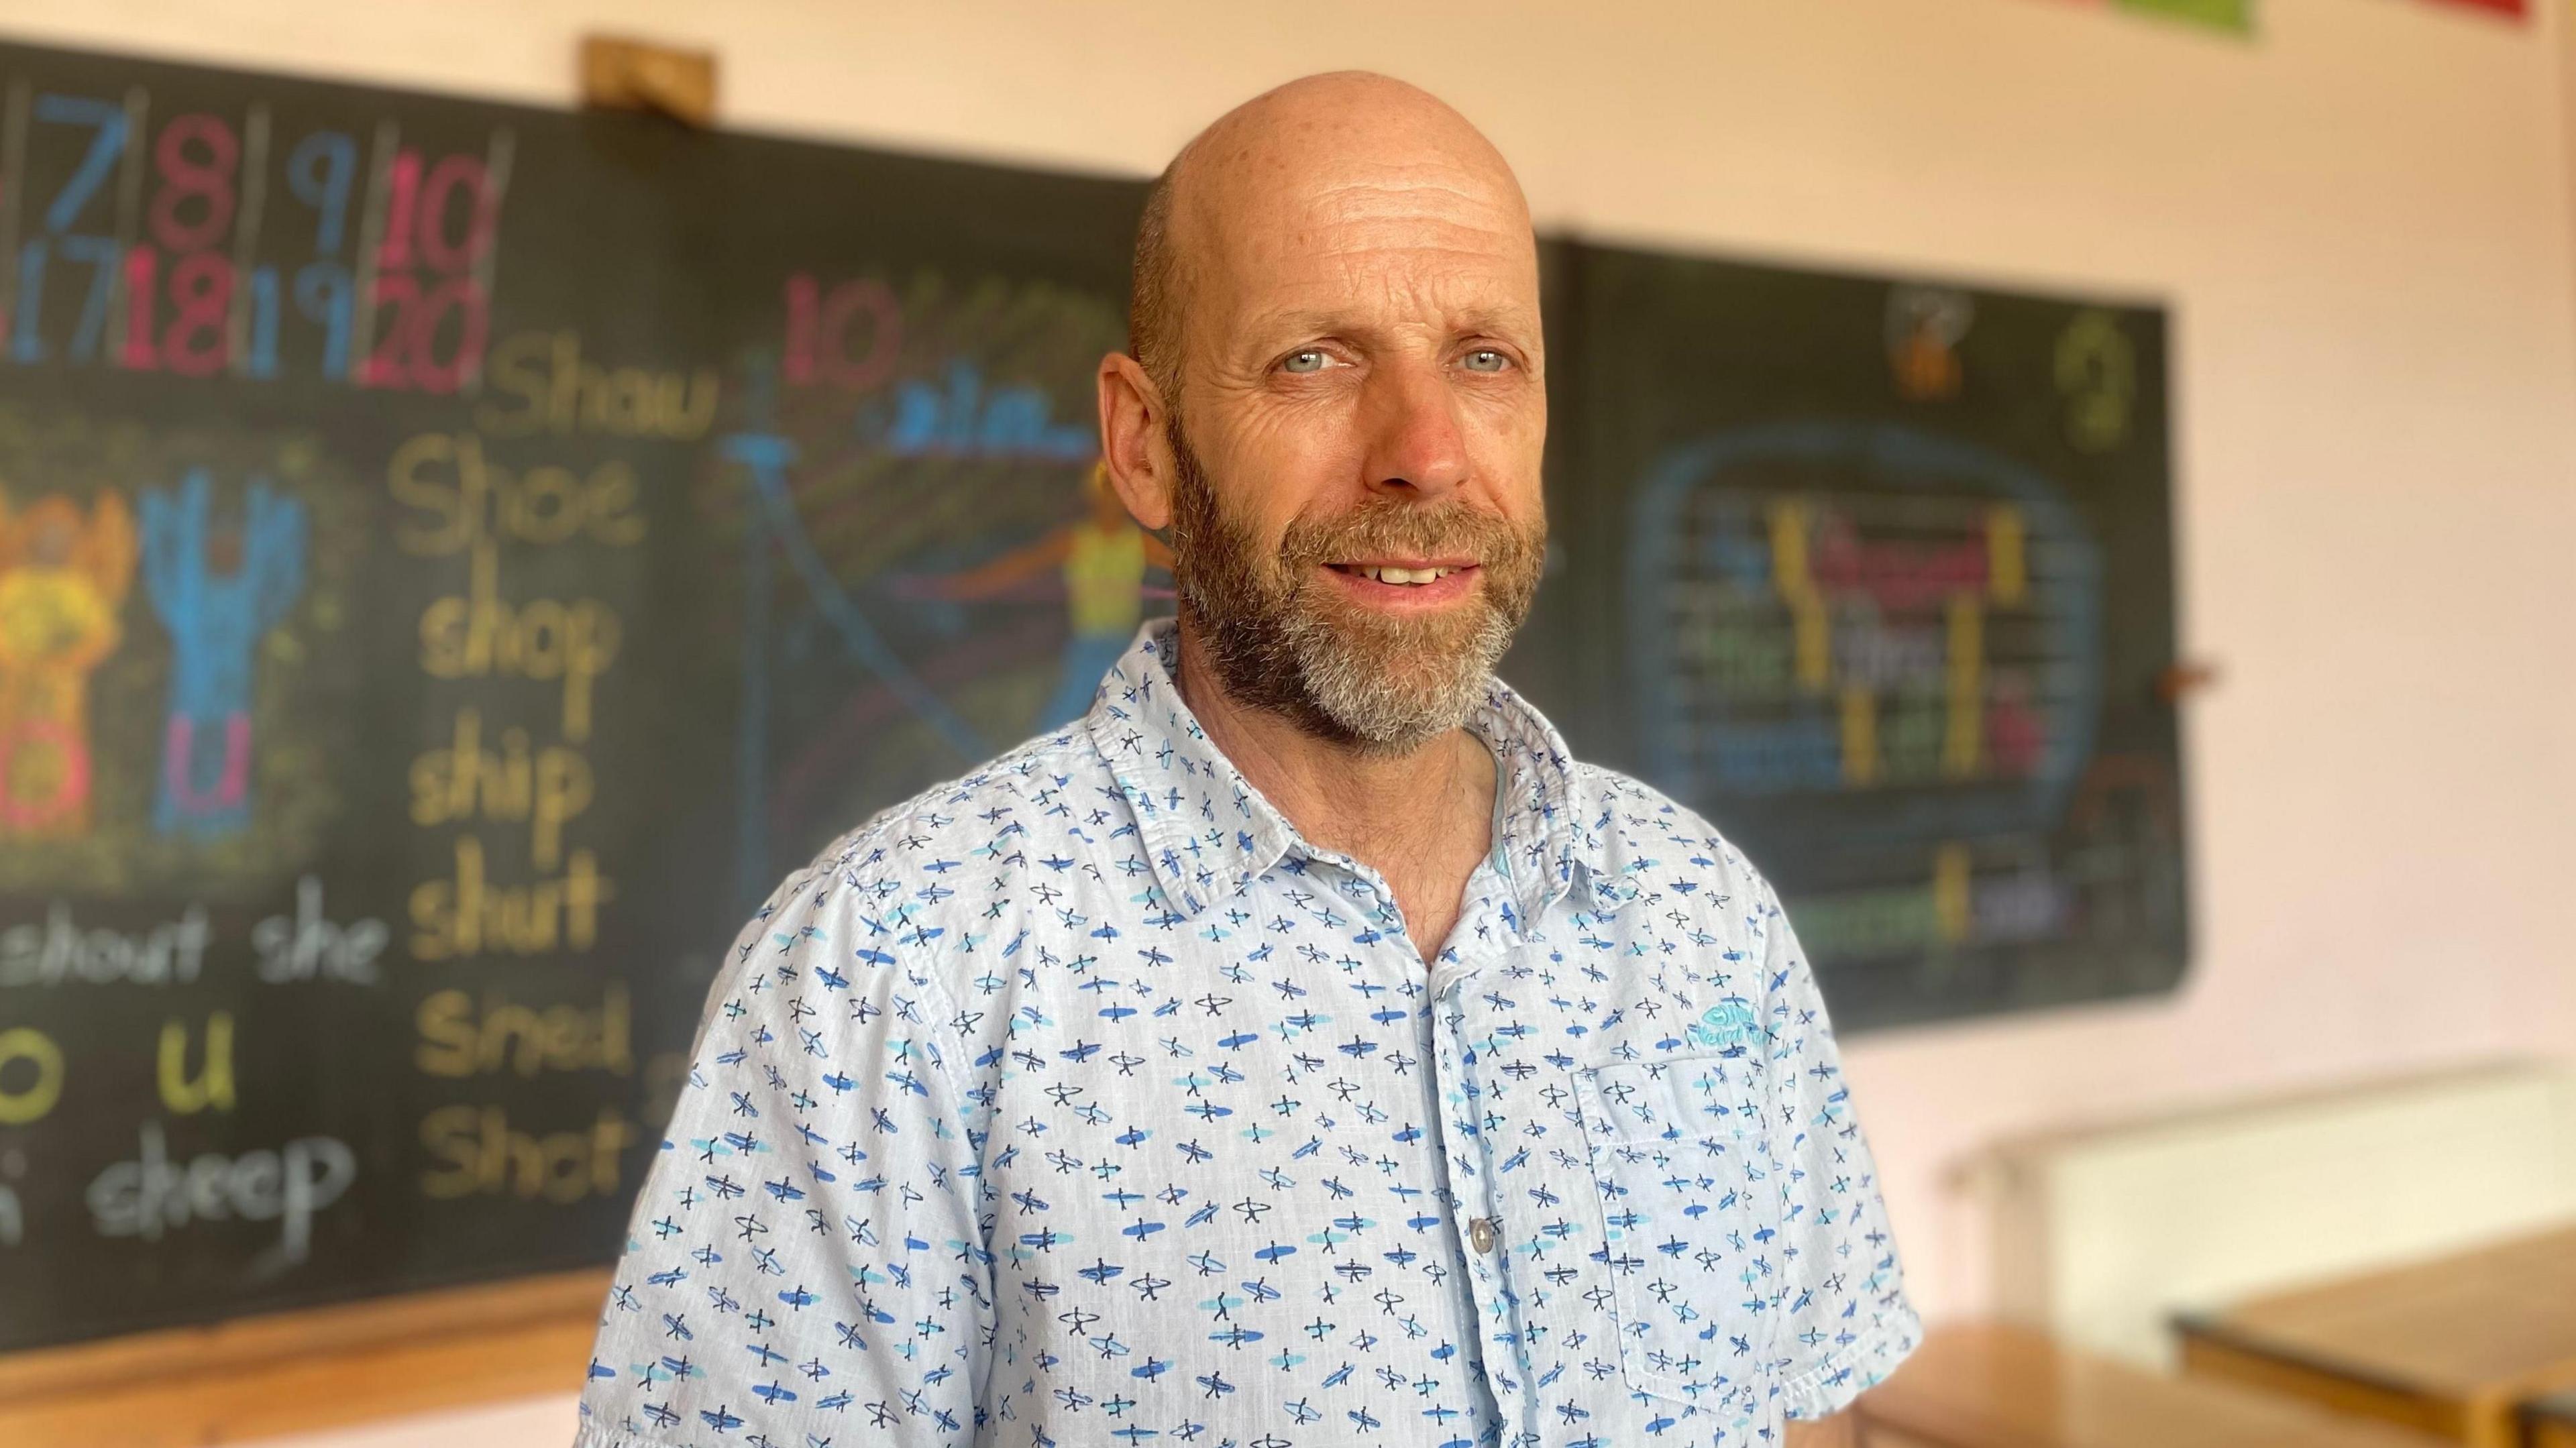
(921, 577)
(218, 583)
(1102, 557)
(64, 572)
(178, 672)
(1894, 635)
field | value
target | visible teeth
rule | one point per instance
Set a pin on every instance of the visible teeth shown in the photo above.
(1403, 575)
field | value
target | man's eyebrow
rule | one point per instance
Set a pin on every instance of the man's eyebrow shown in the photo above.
(1301, 322)
(1496, 320)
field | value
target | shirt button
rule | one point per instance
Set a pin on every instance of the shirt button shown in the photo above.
(1480, 1234)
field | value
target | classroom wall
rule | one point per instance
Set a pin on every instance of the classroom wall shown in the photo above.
(2361, 220)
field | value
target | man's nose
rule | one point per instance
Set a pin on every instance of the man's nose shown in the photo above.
(1415, 441)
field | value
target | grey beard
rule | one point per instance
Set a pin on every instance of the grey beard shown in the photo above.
(1376, 686)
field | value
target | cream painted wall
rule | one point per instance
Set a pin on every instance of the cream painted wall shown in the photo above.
(2362, 222)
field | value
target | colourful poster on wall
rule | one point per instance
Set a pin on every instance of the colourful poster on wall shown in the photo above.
(2236, 15)
(2233, 15)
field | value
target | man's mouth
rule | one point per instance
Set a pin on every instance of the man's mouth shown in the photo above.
(1409, 574)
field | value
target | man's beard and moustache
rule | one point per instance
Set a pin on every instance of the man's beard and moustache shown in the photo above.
(1279, 636)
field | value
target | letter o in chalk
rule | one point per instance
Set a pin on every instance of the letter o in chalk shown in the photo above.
(26, 1043)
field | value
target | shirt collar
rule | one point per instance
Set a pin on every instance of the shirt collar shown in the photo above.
(1207, 833)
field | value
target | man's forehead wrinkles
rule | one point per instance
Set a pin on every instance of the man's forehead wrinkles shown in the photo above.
(1389, 216)
(1363, 251)
(1407, 190)
(1334, 297)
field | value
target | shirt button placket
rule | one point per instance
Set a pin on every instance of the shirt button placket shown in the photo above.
(1479, 1220)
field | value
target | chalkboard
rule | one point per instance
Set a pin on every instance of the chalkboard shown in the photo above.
(1878, 575)
(456, 557)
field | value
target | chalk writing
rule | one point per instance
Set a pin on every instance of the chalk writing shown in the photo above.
(31, 1075)
(2097, 371)
(491, 770)
(61, 950)
(13, 1214)
(547, 787)
(1809, 609)
(309, 945)
(479, 634)
(964, 418)
(558, 392)
(849, 338)
(486, 1156)
(1898, 631)
(460, 1037)
(467, 914)
(458, 499)
(214, 1083)
(152, 1195)
(177, 280)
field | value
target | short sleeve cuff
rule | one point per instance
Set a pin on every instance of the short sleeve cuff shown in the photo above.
(594, 1435)
(1829, 1386)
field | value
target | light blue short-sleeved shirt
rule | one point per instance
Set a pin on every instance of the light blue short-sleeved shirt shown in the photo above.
(1081, 1101)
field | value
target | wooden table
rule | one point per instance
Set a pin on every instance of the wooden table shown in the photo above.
(2453, 1346)
(2551, 1422)
(1992, 1386)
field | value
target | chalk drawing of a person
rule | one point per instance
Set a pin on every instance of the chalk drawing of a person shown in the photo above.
(1102, 558)
(63, 579)
(219, 585)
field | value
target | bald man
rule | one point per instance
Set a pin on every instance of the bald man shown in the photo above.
(1301, 1048)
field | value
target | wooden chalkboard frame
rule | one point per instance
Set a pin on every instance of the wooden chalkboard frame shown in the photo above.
(311, 1369)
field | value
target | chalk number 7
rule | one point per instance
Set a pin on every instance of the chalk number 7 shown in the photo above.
(26, 341)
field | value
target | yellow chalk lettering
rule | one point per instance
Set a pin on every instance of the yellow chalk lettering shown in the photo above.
(31, 1101)
(447, 1041)
(486, 1156)
(449, 1132)
(214, 1085)
(546, 506)
(516, 368)
(457, 1039)
(1962, 745)
(556, 390)
(466, 914)
(1860, 736)
(482, 634)
(416, 483)
(1953, 904)
(2007, 571)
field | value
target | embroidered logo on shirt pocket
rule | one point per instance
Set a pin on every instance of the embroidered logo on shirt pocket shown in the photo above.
(1689, 1213)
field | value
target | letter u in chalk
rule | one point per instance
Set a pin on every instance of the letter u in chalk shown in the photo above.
(218, 586)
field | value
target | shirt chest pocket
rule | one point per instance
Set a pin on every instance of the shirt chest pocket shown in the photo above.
(1690, 1209)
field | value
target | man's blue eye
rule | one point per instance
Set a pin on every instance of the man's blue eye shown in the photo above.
(1309, 360)
(1486, 359)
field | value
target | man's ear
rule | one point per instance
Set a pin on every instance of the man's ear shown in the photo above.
(1132, 443)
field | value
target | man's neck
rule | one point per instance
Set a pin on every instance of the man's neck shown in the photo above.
(1404, 814)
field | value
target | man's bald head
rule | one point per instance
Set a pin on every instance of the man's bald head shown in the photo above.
(1339, 278)
(1308, 138)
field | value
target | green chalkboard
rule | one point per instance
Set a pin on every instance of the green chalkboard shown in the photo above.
(1878, 574)
(455, 558)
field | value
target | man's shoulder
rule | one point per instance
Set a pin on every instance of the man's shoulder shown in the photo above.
(881, 910)
(1641, 829)
(912, 843)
